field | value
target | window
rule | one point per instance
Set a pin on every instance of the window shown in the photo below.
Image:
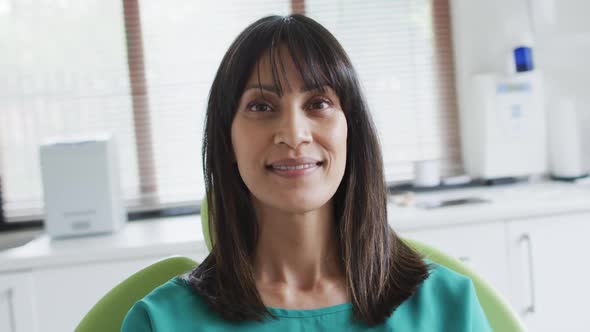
(142, 69)
(64, 72)
(403, 54)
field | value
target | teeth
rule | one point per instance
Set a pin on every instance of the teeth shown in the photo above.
(290, 168)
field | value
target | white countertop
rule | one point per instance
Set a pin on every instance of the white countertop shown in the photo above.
(174, 235)
(163, 236)
(507, 202)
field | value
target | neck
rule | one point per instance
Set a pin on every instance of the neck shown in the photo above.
(297, 249)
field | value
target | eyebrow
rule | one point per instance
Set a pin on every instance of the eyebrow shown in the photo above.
(273, 89)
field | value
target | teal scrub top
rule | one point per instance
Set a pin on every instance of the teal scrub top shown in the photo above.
(446, 301)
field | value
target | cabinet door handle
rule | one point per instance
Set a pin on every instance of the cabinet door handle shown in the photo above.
(530, 308)
(8, 294)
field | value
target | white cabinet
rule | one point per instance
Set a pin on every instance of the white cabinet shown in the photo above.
(64, 294)
(56, 298)
(50, 284)
(549, 272)
(481, 246)
(16, 302)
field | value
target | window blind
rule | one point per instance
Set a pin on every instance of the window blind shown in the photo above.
(64, 74)
(142, 69)
(403, 54)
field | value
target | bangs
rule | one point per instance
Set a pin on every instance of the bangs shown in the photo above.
(318, 57)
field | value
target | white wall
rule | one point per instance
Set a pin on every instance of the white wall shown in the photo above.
(485, 32)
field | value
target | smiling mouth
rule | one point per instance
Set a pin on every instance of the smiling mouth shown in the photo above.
(293, 172)
(294, 167)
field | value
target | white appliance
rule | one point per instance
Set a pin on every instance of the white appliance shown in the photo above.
(566, 154)
(503, 128)
(81, 187)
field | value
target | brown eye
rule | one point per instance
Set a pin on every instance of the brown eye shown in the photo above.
(320, 104)
(259, 107)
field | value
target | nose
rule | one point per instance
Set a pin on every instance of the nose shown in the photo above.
(293, 128)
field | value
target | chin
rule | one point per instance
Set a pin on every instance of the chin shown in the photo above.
(299, 204)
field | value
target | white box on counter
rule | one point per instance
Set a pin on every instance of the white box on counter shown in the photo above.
(81, 186)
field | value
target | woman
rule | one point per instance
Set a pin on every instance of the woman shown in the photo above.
(295, 185)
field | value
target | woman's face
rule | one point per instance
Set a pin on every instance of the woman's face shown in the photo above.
(290, 150)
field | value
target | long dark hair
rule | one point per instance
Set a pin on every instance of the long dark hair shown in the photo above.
(381, 271)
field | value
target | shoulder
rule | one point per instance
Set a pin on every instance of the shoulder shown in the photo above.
(445, 297)
(449, 290)
(174, 292)
(166, 306)
(443, 289)
(448, 282)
